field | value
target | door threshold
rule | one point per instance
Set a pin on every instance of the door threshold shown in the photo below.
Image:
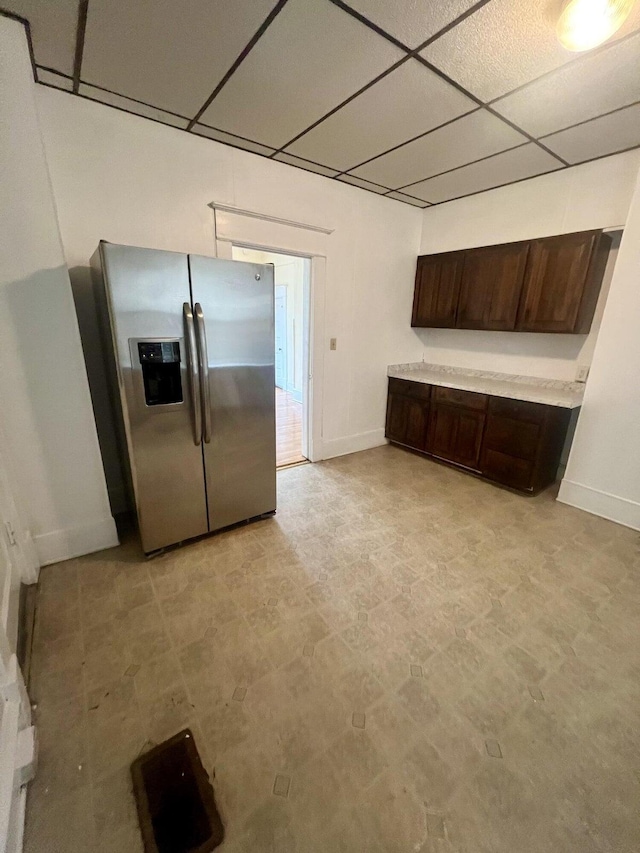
(292, 464)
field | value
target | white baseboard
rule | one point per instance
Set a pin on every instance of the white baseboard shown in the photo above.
(614, 508)
(352, 443)
(75, 541)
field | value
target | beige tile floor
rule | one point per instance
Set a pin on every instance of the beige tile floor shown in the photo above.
(404, 659)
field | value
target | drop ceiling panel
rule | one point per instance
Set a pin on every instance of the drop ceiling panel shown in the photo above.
(405, 103)
(514, 165)
(605, 135)
(53, 26)
(167, 54)
(131, 106)
(505, 44)
(306, 164)
(596, 84)
(463, 140)
(413, 21)
(230, 139)
(311, 58)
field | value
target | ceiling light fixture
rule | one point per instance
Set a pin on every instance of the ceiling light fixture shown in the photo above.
(584, 24)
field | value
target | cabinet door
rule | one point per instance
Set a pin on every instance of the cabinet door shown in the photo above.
(396, 427)
(507, 470)
(555, 281)
(417, 417)
(455, 434)
(490, 287)
(437, 286)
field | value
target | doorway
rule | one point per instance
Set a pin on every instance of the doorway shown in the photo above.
(291, 316)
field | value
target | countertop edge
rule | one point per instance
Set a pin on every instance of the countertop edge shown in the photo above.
(516, 392)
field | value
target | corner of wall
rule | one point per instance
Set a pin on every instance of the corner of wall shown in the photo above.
(67, 543)
(612, 507)
(352, 443)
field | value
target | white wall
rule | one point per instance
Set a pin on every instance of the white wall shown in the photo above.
(603, 473)
(595, 195)
(46, 413)
(125, 179)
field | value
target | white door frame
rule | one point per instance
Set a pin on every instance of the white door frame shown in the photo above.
(251, 231)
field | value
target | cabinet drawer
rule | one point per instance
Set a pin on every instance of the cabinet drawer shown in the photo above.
(455, 397)
(505, 469)
(419, 390)
(513, 437)
(520, 410)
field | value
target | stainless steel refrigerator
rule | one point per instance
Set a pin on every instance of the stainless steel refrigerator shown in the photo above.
(192, 344)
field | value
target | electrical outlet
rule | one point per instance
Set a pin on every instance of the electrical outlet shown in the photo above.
(333, 343)
(581, 373)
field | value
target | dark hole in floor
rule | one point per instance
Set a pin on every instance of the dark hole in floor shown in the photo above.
(176, 805)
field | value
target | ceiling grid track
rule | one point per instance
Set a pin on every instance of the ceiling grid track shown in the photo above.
(6, 13)
(83, 11)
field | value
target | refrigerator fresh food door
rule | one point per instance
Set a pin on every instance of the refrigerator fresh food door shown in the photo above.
(156, 353)
(233, 308)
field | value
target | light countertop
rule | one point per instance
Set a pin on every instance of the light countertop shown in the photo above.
(551, 392)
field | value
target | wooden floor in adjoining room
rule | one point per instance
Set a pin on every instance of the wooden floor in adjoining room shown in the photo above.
(288, 429)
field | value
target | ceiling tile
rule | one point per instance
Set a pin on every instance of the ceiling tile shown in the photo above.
(597, 84)
(50, 78)
(412, 22)
(505, 44)
(514, 165)
(311, 58)
(407, 102)
(53, 25)
(365, 185)
(306, 164)
(605, 135)
(131, 106)
(167, 54)
(468, 138)
(230, 139)
(408, 199)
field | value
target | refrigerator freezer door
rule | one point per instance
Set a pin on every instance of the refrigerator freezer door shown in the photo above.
(146, 291)
(233, 307)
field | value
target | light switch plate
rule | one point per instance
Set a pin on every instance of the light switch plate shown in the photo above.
(333, 343)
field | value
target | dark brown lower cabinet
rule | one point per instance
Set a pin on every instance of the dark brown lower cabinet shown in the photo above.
(408, 413)
(511, 442)
(396, 428)
(455, 434)
(417, 421)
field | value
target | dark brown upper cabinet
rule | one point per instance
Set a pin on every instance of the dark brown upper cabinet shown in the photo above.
(491, 286)
(562, 282)
(435, 297)
(546, 285)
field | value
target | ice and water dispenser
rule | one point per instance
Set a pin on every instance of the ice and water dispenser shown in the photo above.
(160, 362)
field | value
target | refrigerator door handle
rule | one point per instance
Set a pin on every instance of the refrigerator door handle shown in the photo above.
(194, 372)
(204, 372)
